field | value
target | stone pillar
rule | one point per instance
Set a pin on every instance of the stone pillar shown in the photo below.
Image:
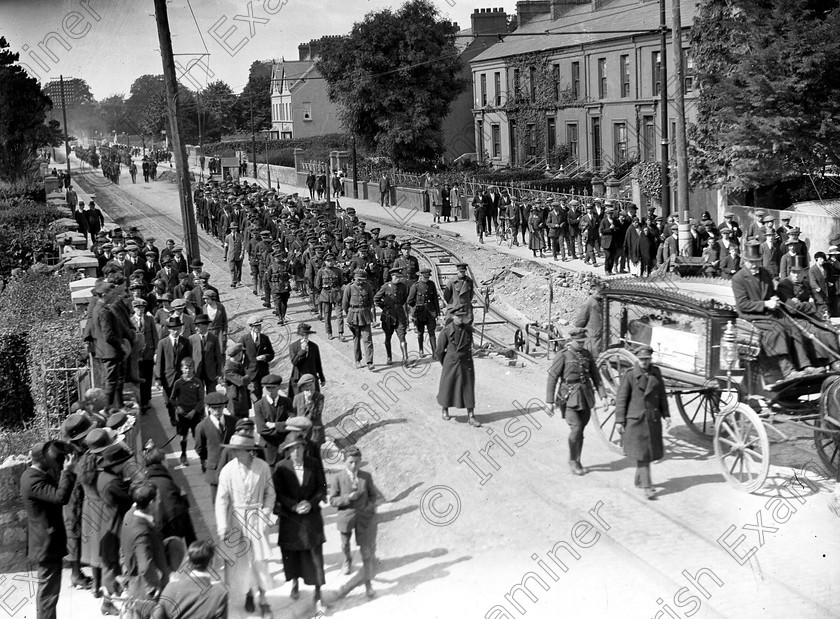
(612, 184)
(597, 187)
(13, 526)
(298, 158)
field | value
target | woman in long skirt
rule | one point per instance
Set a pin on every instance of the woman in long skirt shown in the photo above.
(535, 238)
(301, 486)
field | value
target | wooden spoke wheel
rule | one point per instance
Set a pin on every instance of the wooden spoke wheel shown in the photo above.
(612, 364)
(827, 432)
(742, 448)
(699, 409)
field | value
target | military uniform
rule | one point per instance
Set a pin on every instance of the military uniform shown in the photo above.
(424, 303)
(279, 281)
(409, 266)
(575, 370)
(392, 299)
(459, 293)
(328, 283)
(357, 302)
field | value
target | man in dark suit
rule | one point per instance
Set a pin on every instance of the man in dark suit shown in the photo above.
(214, 431)
(822, 283)
(607, 228)
(43, 499)
(306, 359)
(144, 555)
(171, 350)
(756, 301)
(167, 274)
(270, 415)
(196, 595)
(771, 255)
(206, 353)
(258, 354)
(109, 340)
(146, 341)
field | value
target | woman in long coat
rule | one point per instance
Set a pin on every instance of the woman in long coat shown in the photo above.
(457, 376)
(244, 503)
(301, 486)
(640, 405)
(535, 236)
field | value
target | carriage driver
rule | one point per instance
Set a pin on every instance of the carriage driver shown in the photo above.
(756, 301)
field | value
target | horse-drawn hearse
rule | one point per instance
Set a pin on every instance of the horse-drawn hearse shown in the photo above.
(716, 373)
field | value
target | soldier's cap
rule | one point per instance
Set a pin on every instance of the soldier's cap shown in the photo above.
(645, 352)
(329, 256)
(389, 237)
(210, 294)
(461, 266)
(149, 252)
(375, 230)
(304, 328)
(349, 239)
(138, 303)
(425, 271)
(360, 273)
(363, 246)
(215, 399)
(265, 233)
(234, 349)
(362, 224)
(173, 321)
(350, 210)
(137, 286)
(405, 244)
(179, 304)
(272, 380)
(396, 270)
(578, 333)
(277, 253)
(768, 219)
(255, 321)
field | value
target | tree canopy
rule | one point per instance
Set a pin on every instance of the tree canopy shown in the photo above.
(394, 77)
(769, 91)
(23, 117)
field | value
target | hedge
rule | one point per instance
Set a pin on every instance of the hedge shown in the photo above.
(24, 230)
(39, 329)
(320, 143)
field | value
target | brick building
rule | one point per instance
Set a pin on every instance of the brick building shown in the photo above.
(300, 106)
(579, 96)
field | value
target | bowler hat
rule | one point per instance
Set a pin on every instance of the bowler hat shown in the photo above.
(173, 321)
(202, 319)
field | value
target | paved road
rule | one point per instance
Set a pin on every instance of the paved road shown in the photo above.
(488, 523)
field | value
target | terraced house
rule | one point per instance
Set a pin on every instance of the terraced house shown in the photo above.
(583, 90)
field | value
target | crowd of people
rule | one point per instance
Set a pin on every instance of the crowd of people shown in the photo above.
(155, 320)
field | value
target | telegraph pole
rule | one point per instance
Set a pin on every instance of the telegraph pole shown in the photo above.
(355, 174)
(179, 148)
(66, 130)
(680, 146)
(253, 135)
(665, 196)
(267, 169)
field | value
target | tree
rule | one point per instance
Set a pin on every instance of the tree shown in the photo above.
(113, 113)
(217, 111)
(769, 91)
(23, 115)
(394, 78)
(257, 92)
(146, 104)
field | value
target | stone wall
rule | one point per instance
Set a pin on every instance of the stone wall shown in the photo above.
(13, 527)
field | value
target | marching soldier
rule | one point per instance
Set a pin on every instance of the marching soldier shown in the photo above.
(256, 247)
(278, 279)
(392, 299)
(578, 376)
(407, 263)
(313, 266)
(459, 292)
(357, 303)
(424, 304)
(328, 282)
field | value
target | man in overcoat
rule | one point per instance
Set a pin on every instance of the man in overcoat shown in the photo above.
(258, 354)
(575, 370)
(172, 349)
(640, 405)
(457, 376)
(270, 414)
(214, 431)
(43, 497)
(306, 359)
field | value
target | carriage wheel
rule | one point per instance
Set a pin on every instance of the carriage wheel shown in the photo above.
(742, 448)
(612, 365)
(699, 409)
(827, 432)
